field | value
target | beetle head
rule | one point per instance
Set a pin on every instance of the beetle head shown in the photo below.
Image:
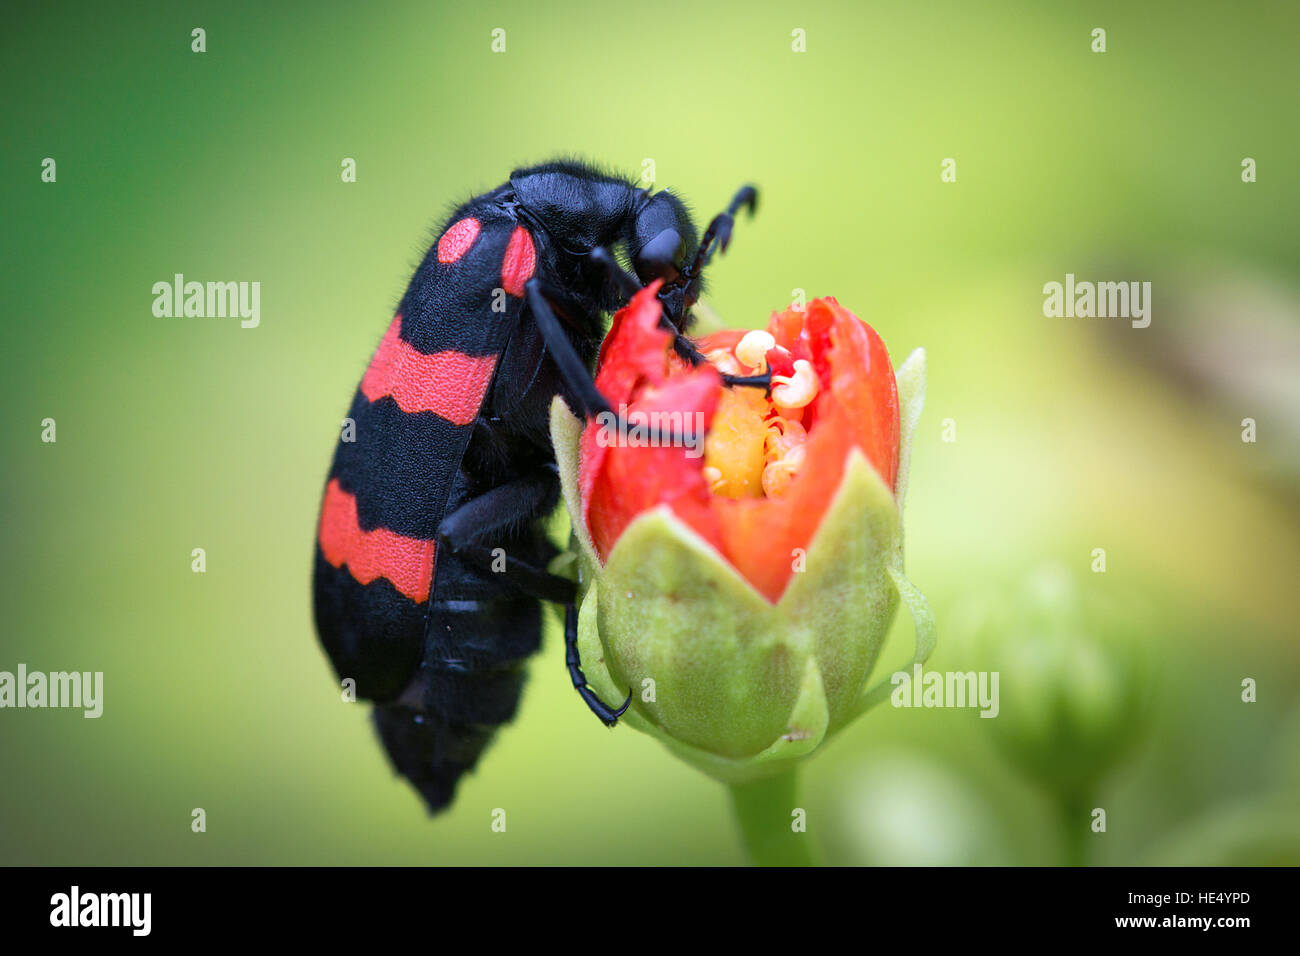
(662, 243)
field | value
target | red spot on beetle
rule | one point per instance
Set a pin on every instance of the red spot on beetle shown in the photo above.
(407, 563)
(455, 242)
(450, 384)
(519, 262)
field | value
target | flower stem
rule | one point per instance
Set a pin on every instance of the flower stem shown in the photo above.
(1075, 830)
(765, 809)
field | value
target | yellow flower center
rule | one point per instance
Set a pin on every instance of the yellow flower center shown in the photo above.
(755, 445)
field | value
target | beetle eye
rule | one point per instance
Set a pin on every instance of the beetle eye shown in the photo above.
(658, 258)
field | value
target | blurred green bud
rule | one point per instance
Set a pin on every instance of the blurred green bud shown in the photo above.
(1074, 675)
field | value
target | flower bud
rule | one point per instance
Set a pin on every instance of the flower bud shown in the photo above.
(744, 595)
(1073, 675)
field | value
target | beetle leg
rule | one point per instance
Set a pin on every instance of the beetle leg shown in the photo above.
(607, 714)
(529, 580)
(626, 282)
(468, 531)
(682, 343)
(718, 235)
(630, 286)
(688, 350)
(763, 381)
(574, 372)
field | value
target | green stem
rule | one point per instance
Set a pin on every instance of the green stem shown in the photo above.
(765, 809)
(1075, 816)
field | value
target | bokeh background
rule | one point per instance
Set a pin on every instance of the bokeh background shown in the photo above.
(1071, 434)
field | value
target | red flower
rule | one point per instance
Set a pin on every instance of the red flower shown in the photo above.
(770, 468)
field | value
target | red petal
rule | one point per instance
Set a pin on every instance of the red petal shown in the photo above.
(857, 405)
(780, 361)
(630, 481)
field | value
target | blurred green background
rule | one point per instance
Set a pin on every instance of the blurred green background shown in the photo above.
(1071, 434)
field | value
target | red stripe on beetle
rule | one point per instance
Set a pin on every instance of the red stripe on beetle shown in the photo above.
(519, 262)
(450, 384)
(407, 563)
(455, 242)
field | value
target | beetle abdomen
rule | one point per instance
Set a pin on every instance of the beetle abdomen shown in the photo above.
(469, 684)
(401, 449)
(439, 645)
